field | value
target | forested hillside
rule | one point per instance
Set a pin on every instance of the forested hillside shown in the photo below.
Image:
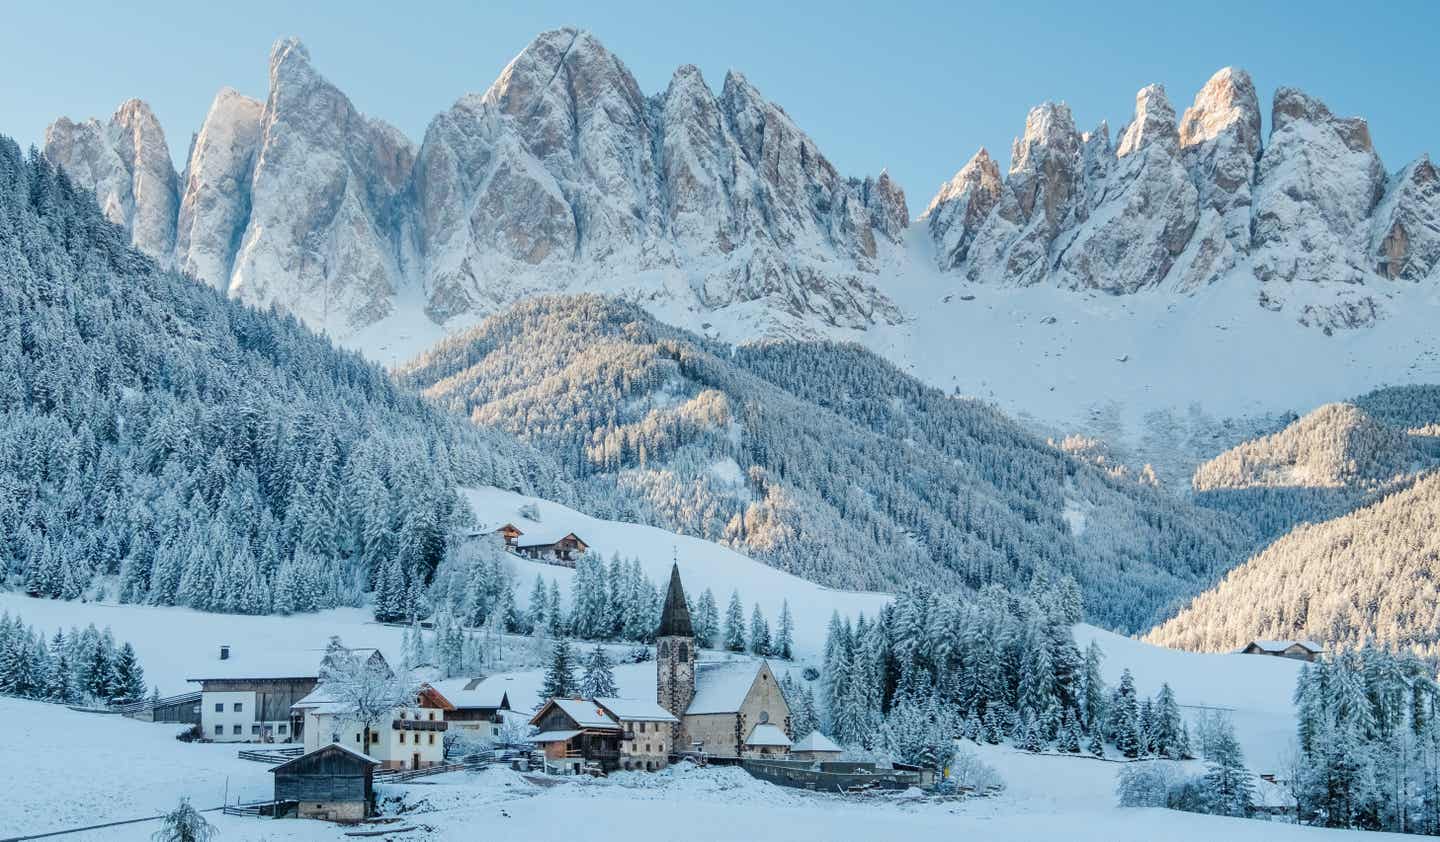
(821, 459)
(1321, 466)
(210, 454)
(1370, 576)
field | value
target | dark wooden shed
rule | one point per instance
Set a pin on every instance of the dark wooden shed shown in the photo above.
(333, 782)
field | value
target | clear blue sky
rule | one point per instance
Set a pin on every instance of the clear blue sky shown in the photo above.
(912, 86)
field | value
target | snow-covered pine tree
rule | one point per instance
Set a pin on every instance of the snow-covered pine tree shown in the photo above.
(784, 644)
(707, 621)
(759, 633)
(559, 682)
(735, 624)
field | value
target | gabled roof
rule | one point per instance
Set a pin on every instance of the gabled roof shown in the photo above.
(675, 618)
(244, 663)
(333, 747)
(469, 693)
(553, 736)
(767, 734)
(722, 687)
(322, 700)
(635, 710)
(1282, 645)
(816, 741)
(542, 536)
(583, 712)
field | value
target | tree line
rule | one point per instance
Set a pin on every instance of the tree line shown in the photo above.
(83, 666)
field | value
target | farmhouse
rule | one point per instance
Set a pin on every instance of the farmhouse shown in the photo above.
(725, 709)
(411, 737)
(250, 698)
(646, 732)
(552, 545)
(333, 782)
(1300, 650)
(479, 705)
(573, 732)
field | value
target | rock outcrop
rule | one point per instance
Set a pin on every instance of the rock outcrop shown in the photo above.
(215, 202)
(126, 162)
(1405, 236)
(955, 214)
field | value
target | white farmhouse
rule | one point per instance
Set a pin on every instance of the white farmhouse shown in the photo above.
(411, 737)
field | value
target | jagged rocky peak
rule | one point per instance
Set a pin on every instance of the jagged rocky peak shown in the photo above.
(1097, 156)
(1226, 106)
(126, 163)
(321, 238)
(961, 204)
(1146, 213)
(215, 202)
(1405, 236)
(1319, 179)
(1154, 123)
(886, 201)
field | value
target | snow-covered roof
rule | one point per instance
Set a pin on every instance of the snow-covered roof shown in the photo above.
(586, 713)
(542, 535)
(553, 736)
(636, 710)
(722, 687)
(319, 700)
(466, 693)
(1282, 645)
(816, 741)
(331, 747)
(289, 663)
(767, 734)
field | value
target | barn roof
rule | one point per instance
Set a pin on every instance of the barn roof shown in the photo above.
(722, 687)
(274, 664)
(583, 712)
(767, 734)
(333, 747)
(1282, 645)
(544, 536)
(636, 710)
(553, 736)
(675, 618)
(816, 741)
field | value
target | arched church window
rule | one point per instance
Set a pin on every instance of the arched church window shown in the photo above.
(684, 652)
(664, 648)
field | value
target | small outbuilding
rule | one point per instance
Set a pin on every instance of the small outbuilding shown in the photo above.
(816, 746)
(334, 783)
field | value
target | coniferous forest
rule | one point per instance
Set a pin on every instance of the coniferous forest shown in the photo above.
(202, 452)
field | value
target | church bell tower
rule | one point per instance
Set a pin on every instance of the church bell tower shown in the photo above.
(675, 658)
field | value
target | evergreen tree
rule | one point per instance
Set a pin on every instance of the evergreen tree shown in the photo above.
(559, 680)
(1170, 737)
(128, 681)
(539, 605)
(1125, 717)
(1228, 787)
(759, 633)
(1096, 746)
(784, 644)
(1070, 736)
(599, 679)
(735, 624)
(707, 621)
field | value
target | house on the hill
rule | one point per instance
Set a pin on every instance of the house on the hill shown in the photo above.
(727, 709)
(250, 697)
(574, 732)
(333, 782)
(411, 737)
(554, 546)
(480, 705)
(1299, 650)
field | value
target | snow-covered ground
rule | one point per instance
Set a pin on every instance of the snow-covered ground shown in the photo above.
(98, 768)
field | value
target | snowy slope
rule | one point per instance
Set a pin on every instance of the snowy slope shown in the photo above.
(702, 565)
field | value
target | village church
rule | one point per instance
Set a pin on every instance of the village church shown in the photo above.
(725, 709)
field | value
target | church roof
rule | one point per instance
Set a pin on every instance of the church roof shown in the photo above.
(767, 734)
(722, 687)
(675, 619)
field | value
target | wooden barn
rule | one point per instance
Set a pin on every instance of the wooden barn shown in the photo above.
(560, 548)
(333, 783)
(574, 732)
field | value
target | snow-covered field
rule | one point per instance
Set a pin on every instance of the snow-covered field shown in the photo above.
(98, 768)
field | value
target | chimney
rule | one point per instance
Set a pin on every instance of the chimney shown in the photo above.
(224, 651)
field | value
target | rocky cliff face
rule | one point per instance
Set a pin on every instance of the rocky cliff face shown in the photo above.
(564, 175)
(1182, 204)
(127, 164)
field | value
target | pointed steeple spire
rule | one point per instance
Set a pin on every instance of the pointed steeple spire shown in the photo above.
(675, 619)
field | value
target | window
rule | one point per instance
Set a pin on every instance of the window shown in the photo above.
(432, 739)
(402, 738)
(219, 729)
(283, 727)
(684, 652)
(235, 729)
(432, 716)
(254, 729)
(374, 736)
(357, 739)
(219, 707)
(238, 707)
(402, 714)
(642, 727)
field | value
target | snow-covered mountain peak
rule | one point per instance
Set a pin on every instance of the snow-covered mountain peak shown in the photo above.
(1226, 104)
(1154, 123)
